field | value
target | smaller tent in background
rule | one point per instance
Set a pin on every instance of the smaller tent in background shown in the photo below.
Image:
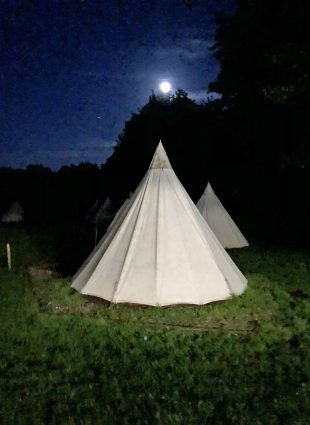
(120, 213)
(96, 214)
(89, 216)
(104, 212)
(14, 214)
(220, 221)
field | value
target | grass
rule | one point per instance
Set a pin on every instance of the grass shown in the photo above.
(65, 360)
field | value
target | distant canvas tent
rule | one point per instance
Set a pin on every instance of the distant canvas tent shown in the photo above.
(92, 211)
(103, 212)
(14, 214)
(159, 250)
(220, 221)
(119, 213)
(96, 214)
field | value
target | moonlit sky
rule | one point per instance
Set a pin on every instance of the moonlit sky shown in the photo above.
(72, 72)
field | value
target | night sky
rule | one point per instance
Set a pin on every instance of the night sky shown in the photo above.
(72, 72)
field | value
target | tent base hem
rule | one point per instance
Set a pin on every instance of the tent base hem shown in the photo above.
(98, 300)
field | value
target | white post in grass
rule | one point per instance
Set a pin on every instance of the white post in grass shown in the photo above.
(8, 253)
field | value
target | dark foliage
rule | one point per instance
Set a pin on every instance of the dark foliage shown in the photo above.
(52, 196)
(264, 51)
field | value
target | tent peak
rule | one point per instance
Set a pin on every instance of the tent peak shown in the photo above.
(208, 189)
(160, 158)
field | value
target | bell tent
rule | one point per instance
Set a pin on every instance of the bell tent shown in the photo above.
(14, 214)
(159, 250)
(103, 212)
(220, 221)
(97, 214)
(92, 211)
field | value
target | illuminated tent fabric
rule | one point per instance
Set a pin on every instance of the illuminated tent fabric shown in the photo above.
(14, 214)
(220, 221)
(160, 250)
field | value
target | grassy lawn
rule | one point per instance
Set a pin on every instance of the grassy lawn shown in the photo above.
(66, 360)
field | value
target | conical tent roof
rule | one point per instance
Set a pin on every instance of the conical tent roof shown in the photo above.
(159, 250)
(220, 221)
(14, 214)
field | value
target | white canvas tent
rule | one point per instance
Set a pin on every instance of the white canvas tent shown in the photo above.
(220, 221)
(159, 250)
(92, 211)
(103, 212)
(14, 214)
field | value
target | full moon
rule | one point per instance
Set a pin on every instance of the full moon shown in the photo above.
(165, 87)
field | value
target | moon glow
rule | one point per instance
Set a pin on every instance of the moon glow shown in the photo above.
(165, 86)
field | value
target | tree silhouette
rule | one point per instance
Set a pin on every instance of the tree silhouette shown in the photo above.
(264, 52)
(186, 130)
